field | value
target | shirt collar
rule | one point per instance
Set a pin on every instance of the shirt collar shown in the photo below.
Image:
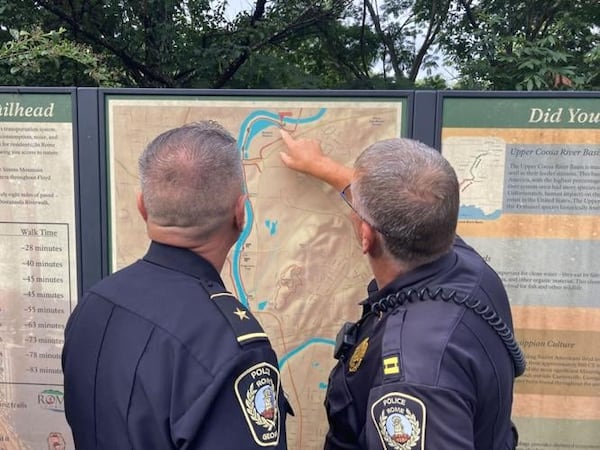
(181, 260)
(414, 277)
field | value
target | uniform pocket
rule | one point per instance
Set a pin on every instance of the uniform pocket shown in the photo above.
(343, 421)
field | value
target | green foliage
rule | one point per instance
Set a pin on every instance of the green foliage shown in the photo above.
(178, 43)
(324, 44)
(534, 45)
(535, 66)
(432, 82)
(48, 59)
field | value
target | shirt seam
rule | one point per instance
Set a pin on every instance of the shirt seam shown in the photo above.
(159, 327)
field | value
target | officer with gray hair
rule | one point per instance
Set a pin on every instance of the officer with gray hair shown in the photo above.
(159, 355)
(432, 361)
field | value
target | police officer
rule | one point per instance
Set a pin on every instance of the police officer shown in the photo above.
(432, 361)
(160, 355)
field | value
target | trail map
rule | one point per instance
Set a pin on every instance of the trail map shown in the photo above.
(296, 265)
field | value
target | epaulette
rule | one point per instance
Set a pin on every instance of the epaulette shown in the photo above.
(391, 347)
(244, 324)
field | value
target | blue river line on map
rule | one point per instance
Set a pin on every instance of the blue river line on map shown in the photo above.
(255, 123)
(302, 346)
(471, 212)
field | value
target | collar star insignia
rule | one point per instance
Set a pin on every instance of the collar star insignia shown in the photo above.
(241, 314)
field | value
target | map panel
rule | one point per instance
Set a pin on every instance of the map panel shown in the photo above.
(296, 265)
(478, 162)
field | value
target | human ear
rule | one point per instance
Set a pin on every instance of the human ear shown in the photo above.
(240, 212)
(368, 238)
(141, 206)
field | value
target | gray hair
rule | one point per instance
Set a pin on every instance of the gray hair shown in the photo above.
(191, 176)
(409, 191)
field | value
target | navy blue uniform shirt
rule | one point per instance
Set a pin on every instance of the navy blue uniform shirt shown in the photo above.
(428, 374)
(159, 356)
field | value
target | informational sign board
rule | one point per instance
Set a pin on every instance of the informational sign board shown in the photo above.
(38, 265)
(529, 172)
(529, 167)
(296, 265)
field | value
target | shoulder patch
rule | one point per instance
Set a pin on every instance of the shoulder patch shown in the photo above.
(400, 421)
(257, 391)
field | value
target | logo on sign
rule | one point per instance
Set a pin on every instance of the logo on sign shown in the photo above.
(52, 399)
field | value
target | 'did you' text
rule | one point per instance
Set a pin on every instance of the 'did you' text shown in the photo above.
(568, 115)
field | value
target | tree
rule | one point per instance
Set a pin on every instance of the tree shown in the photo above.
(172, 43)
(513, 44)
(319, 44)
(408, 31)
(48, 59)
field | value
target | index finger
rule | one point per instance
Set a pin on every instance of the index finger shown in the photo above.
(287, 137)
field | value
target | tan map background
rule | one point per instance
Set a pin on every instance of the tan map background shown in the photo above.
(299, 269)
